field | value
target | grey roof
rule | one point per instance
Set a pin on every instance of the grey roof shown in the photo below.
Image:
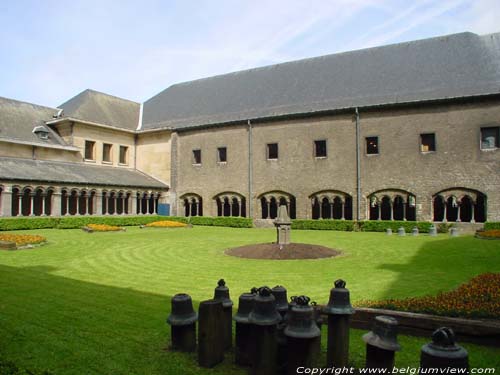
(104, 109)
(458, 65)
(73, 173)
(18, 119)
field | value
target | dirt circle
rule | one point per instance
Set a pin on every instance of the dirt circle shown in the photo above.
(291, 251)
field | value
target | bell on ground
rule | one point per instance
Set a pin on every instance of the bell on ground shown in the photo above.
(339, 303)
(264, 311)
(279, 293)
(182, 312)
(443, 352)
(384, 334)
(301, 320)
(401, 231)
(222, 293)
(245, 306)
(414, 231)
(432, 230)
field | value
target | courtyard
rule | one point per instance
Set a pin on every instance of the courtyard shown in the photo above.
(97, 303)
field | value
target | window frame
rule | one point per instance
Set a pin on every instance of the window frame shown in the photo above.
(110, 161)
(193, 159)
(315, 145)
(126, 148)
(434, 143)
(496, 146)
(268, 146)
(219, 149)
(88, 141)
(376, 137)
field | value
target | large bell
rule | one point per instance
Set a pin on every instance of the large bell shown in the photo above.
(221, 293)
(443, 352)
(301, 320)
(245, 306)
(182, 312)
(264, 311)
(384, 334)
(339, 303)
(279, 293)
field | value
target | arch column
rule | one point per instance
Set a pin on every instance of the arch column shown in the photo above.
(43, 196)
(133, 204)
(472, 220)
(55, 203)
(379, 210)
(445, 217)
(6, 204)
(458, 212)
(268, 202)
(404, 211)
(32, 204)
(342, 207)
(391, 202)
(20, 203)
(331, 210)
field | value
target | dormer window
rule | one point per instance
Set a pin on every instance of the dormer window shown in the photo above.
(41, 133)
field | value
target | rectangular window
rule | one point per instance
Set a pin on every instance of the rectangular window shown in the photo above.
(272, 151)
(106, 152)
(490, 138)
(89, 150)
(123, 155)
(427, 142)
(222, 154)
(320, 148)
(196, 156)
(371, 145)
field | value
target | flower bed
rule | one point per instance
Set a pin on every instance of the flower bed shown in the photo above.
(492, 234)
(479, 298)
(101, 228)
(22, 239)
(166, 224)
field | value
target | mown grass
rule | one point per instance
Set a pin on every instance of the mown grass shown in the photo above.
(96, 303)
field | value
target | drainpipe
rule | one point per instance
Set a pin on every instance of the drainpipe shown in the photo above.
(250, 171)
(358, 169)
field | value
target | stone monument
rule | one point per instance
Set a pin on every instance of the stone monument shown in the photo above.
(283, 225)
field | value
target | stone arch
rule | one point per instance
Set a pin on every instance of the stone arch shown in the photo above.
(459, 204)
(392, 204)
(193, 204)
(270, 201)
(331, 204)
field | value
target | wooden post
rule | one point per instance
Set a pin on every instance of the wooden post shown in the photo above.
(338, 341)
(210, 334)
(379, 358)
(227, 322)
(302, 353)
(243, 344)
(184, 338)
(264, 351)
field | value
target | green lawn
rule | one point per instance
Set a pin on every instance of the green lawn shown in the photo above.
(97, 303)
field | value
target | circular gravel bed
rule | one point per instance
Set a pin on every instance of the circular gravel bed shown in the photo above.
(291, 251)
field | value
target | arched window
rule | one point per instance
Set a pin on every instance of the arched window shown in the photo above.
(459, 204)
(270, 202)
(193, 204)
(392, 204)
(331, 204)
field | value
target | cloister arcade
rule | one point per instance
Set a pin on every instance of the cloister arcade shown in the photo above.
(392, 205)
(270, 201)
(193, 205)
(459, 205)
(230, 204)
(331, 204)
(18, 200)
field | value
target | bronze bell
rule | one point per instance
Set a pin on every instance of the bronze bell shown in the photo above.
(279, 293)
(264, 311)
(245, 306)
(301, 320)
(182, 311)
(443, 352)
(339, 303)
(222, 293)
(384, 334)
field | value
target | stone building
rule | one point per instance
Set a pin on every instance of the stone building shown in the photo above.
(400, 132)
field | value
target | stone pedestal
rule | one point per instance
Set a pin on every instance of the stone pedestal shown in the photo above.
(283, 226)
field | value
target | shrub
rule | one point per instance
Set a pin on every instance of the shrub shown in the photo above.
(234, 222)
(382, 225)
(21, 223)
(22, 239)
(444, 227)
(479, 298)
(339, 225)
(492, 225)
(166, 224)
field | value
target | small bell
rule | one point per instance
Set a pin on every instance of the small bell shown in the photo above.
(245, 306)
(301, 320)
(182, 311)
(222, 293)
(384, 334)
(339, 303)
(401, 231)
(443, 352)
(279, 293)
(432, 230)
(264, 311)
(414, 231)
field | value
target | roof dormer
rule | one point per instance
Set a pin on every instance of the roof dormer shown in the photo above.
(41, 132)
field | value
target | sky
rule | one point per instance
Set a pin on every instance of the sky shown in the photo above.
(52, 50)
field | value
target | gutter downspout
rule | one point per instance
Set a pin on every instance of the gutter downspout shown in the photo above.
(358, 169)
(250, 171)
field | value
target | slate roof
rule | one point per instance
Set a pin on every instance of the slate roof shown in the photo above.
(104, 109)
(73, 173)
(18, 119)
(457, 65)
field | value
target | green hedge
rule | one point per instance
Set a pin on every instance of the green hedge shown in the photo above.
(234, 222)
(28, 223)
(382, 225)
(489, 225)
(340, 225)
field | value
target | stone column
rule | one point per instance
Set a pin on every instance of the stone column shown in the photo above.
(55, 203)
(140, 204)
(43, 196)
(115, 199)
(6, 204)
(458, 213)
(268, 202)
(404, 211)
(32, 205)
(331, 210)
(342, 203)
(392, 210)
(98, 203)
(77, 204)
(133, 204)
(445, 217)
(20, 204)
(472, 220)
(379, 210)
